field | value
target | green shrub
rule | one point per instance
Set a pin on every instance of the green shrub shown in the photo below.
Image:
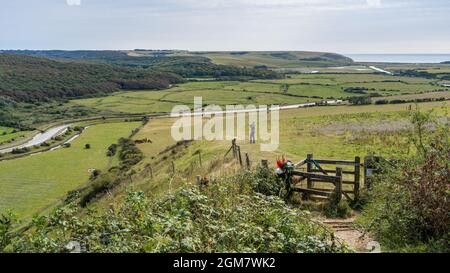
(265, 181)
(20, 150)
(337, 208)
(409, 204)
(361, 100)
(6, 226)
(112, 149)
(226, 216)
(378, 102)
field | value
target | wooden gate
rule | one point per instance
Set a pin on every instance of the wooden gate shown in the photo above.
(346, 181)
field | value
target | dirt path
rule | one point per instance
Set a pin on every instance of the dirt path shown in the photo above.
(345, 230)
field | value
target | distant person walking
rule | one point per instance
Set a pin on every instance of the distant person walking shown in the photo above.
(252, 132)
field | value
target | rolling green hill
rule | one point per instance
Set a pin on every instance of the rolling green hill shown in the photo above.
(26, 78)
(278, 59)
(269, 59)
(173, 59)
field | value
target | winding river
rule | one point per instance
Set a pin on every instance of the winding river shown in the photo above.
(39, 138)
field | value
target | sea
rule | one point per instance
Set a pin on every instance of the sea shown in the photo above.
(400, 58)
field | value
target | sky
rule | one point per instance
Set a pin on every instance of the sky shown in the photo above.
(342, 26)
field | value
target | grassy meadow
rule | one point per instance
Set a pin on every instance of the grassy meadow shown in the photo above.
(332, 132)
(9, 134)
(31, 184)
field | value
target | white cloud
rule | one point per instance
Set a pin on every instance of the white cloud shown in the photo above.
(304, 4)
(73, 2)
(374, 3)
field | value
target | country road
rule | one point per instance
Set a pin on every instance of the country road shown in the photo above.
(269, 108)
(381, 70)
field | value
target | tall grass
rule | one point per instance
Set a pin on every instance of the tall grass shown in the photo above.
(409, 204)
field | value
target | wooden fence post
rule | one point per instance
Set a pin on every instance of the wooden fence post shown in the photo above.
(151, 171)
(233, 145)
(368, 171)
(198, 179)
(173, 168)
(309, 158)
(357, 177)
(339, 184)
(264, 163)
(200, 158)
(247, 161)
(239, 155)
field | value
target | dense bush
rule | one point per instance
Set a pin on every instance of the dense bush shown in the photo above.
(361, 100)
(112, 149)
(356, 90)
(378, 102)
(266, 182)
(129, 153)
(409, 204)
(226, 216)
(20, 150)
(398, 101)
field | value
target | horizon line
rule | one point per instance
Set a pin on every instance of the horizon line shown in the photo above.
(232, 50)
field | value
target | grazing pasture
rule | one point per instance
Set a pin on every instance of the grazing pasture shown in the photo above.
(31, 184)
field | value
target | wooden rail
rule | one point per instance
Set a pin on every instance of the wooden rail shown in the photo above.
(336, 180)
(321, 177)
(337, 162)
(316, 173)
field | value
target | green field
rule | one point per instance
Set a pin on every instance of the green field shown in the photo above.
(339, 132)
(301, 88)
(10, 134)
(31, 184)
(221, 93)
